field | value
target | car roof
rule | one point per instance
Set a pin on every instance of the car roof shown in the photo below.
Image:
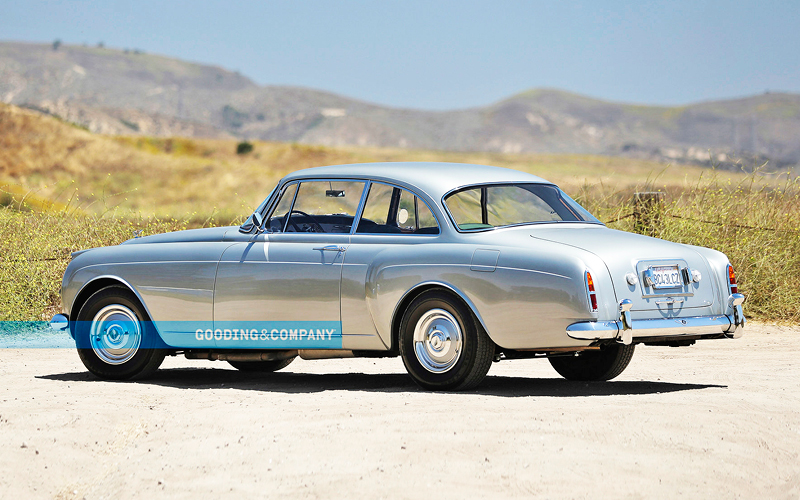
(433, 178)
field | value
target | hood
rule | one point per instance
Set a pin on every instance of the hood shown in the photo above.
(210, 234)
(625, 253)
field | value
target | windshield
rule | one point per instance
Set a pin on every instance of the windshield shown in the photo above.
(498, 205)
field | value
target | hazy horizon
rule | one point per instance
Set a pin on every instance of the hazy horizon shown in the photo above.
(452, 55)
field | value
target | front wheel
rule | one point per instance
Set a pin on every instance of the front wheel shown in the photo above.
(115, 338)
(604, 364)
(443, 345)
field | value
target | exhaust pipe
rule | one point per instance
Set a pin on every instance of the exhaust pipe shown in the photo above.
(325, 353)
(241, 356)
(307, 354)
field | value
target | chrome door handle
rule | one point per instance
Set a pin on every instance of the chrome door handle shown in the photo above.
(331, 248)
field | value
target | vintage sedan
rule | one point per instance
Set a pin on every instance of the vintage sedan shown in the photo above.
(449, 266)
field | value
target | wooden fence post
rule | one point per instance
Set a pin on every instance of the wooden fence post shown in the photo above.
(648, 208)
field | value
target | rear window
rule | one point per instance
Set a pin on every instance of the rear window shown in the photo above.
(490, 206)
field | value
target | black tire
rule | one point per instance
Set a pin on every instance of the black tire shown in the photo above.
(138, 364)
(466, 369)
(262, 366)
(604, 364)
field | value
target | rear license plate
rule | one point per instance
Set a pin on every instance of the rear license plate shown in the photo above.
(666, 277)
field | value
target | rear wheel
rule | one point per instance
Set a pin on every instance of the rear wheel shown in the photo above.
(262, 366)
(115, 338)
(604, 364)
(443, 345)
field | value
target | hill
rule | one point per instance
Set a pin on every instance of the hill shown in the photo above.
(47, 158)
(123, 92)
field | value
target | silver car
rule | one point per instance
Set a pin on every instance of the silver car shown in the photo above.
(449, 266)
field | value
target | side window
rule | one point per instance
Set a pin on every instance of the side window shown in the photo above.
(425, 219)
(376, 211)
(466, 206)
(325, 207)
(278, 217)
(392, 210)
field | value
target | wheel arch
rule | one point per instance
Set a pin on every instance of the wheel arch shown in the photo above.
(418, 290)
(95, 285)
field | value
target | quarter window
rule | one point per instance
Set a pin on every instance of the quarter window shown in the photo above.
(393, 210)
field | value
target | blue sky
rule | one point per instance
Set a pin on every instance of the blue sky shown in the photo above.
(452, 54)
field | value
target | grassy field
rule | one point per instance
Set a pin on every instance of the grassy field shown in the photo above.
(756, 225)
(64, 189)
(46, 159)
(755, 222)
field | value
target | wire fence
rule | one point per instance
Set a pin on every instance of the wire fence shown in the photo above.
(716, 223)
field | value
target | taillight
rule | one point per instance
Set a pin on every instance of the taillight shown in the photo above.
(734, 288)
(592, 294)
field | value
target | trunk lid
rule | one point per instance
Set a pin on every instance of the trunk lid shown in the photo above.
(669, 264)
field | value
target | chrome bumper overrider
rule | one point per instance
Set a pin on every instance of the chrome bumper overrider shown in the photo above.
(59, 322)
(626, 330)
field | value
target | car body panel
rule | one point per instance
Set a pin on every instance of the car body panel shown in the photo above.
(281, 278)
(625, 252)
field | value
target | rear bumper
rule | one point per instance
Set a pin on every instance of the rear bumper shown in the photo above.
(662, 327)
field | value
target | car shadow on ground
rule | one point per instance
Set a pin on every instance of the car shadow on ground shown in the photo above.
(299, 383)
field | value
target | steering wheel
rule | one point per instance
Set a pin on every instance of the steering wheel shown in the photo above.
(316, 228)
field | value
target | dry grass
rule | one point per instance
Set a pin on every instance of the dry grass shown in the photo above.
(199, 177)
(36, 247)
(105, 187)
(755, 222)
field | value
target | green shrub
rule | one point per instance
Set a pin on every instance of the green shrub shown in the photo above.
(243, 148)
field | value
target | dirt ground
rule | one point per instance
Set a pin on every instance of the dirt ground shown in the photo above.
(719, 419)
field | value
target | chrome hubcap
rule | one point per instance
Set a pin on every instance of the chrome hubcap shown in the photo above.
(437, 341)
(116, 334)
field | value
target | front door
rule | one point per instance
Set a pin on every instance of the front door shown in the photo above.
(281, 290)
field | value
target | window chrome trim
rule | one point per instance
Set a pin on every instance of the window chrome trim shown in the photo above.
(273, 204)
(291, 207)
(361, 205)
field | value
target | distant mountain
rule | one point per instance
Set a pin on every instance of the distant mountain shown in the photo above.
(116, 92)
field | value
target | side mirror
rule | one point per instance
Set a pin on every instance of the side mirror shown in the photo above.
(252, 223)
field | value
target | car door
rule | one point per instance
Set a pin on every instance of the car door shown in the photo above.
(281, 290)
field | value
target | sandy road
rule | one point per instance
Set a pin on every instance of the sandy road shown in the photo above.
(720, 419)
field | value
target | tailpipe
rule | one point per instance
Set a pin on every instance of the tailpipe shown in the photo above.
(241, 356)
(325, 353)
